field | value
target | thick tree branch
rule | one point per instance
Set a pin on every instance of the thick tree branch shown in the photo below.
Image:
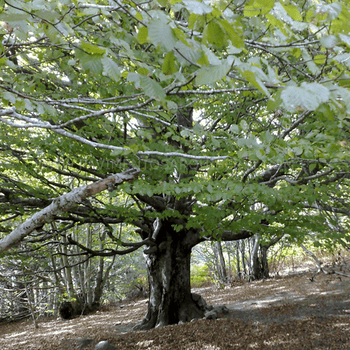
(63, 204)
(111, 252)
(227, 236)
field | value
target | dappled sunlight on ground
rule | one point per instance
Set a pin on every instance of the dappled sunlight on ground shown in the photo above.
(282, 313)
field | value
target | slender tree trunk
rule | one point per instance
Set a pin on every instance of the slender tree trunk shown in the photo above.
(217, 273)
(102, 276)
(168, 267)
(58, 295)
(31, 303)
(87, 270)
(244, 269)
(229, 251)
(67, 270)
(222, 264)
(260, 268)
(264, 262)
(255, 268)
(100, 280)
(248, 255)
(238, 263)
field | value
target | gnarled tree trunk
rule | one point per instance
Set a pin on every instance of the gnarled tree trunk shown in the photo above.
(168, 265)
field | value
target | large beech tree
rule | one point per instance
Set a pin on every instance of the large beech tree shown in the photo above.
(218, 120)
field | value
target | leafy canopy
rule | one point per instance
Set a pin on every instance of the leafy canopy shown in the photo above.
(90, 88)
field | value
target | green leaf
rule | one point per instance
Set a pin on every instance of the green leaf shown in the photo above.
(180, 35)
(91, 63)
(293, 12)
(142, 35)
(309, 62)
(52, 33)
(329, 41)
(312, 167)
(168, 66)
(258, 7)
(111, 69)
(199, 8)
(203, 61)
(332, 10)
(191, 52)
(345, 39)
(28, 105)
(162, 2)
(8, 96)
(152, 88)
(160, 33)
(92, 49)
(260, 154)
(306, 97)
(18, 22)
(274, 102)
(255, 81)
(13, 17)
(298, 151)
(275, 22)
(233, 33)
(320, 59)
(214, 34)
(178, 228)
(234, 128)
(243, 124)
(211, 74)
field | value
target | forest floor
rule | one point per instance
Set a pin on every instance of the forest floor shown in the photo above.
(289, 312)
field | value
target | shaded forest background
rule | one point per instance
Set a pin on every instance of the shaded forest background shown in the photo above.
(34, 286)
(298, 309)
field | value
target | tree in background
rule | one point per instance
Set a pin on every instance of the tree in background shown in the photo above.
(205, 121)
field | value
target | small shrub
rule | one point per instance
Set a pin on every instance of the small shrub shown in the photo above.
(200, 276)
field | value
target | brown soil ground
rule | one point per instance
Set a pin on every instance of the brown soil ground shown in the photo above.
(282, 313)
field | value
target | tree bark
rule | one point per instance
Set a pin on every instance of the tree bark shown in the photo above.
(221, 262)
(168, 267)
(264, 263)
(66, 269)
(242, 249)
(229, 251)
(239, 273)
(255, 267)
(88, 271)
(102, 276)
(63, 204)
(260, 268)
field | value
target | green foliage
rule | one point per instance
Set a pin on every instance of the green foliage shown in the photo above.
(211, 74)
(95, 89)
(258, 7)
(306, 97)
(161, 34)
(200, 276)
